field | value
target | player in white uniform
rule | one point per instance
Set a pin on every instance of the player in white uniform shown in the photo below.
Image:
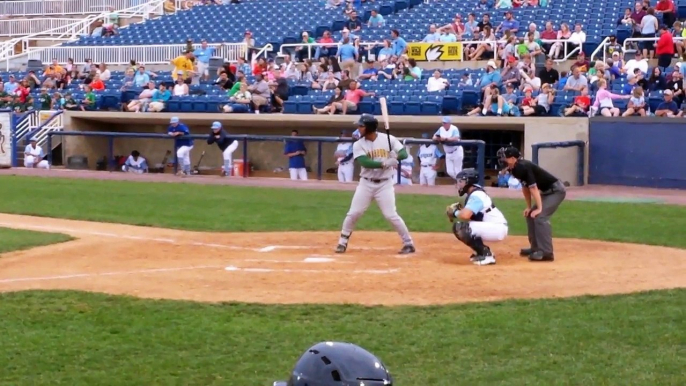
(406, 167)
(344, 160)
(33, 156)
(429, 155)
(378, 164)
(453, 154)
(479, 220)
(135, 164)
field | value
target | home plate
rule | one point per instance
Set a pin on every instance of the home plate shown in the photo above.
(318, 259)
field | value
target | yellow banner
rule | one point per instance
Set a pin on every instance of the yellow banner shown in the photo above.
(427, 52)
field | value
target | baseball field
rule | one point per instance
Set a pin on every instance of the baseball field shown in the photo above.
(145, 283)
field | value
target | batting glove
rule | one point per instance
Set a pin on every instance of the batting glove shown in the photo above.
(393, 155)
(390, 163)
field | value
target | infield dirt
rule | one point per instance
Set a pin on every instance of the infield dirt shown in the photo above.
(302, 268)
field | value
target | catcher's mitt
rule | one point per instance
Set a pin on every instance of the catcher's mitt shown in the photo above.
(450, 210)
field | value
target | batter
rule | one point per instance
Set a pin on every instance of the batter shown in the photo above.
(378, 170)
(479, 219)
(454, 155)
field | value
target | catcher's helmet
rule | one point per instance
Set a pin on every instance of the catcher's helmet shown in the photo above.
(338, 364)
(470, 177)
(369, 122)
(505, 153)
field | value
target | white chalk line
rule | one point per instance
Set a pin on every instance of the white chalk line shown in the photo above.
(272, 270)
(120, 273)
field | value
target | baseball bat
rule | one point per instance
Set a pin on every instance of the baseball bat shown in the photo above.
(197, 166)
(387, 126)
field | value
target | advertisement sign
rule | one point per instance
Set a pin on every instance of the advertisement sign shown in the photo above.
(429, 52)
(5, 139)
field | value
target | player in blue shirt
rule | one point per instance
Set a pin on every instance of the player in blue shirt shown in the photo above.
(295, 151)
(183, 143)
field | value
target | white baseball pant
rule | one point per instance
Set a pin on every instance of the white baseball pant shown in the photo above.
(125, 168)
(453, 162)
(345, 172)
(299, 173)
(427, 176)
(30, 162)
(184, 155)
(488, 231)
(228, 157)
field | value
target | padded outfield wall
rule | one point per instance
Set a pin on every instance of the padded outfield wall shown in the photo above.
(267, 156)
(645, 152)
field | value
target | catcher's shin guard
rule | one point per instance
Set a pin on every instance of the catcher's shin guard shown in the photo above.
(464, 233)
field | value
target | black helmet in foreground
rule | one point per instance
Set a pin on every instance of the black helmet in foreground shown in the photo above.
(338, 364)
(369, 122)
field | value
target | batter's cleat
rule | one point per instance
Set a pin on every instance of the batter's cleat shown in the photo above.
(487, 259)
(540, 256)
(407, 249)
(340, 248)
(473, 257)
(526, 252)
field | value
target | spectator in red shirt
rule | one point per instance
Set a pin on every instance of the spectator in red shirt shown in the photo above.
(97, 84)
(324, 50)
(352, 98)
(548, 33)
(665, 47)
(260, 67)
(666, 8)
(580, 106)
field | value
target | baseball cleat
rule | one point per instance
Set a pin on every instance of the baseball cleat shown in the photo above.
(340, 248)
(407, 249)
(474, 257)
(486, 259)
(526, 252)
(540, 256)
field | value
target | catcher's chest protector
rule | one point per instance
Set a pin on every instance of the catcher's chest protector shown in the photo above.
(478, 216)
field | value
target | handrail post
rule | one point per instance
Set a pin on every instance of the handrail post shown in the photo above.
(110, 153)
(245, 158)
(580, 162)
(319, 160)
(481, 162)
(49, 149)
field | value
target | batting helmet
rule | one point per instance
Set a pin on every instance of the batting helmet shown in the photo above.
(369, 122)
(338, 364)
(470, 177)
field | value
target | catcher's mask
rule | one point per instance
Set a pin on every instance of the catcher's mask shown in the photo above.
(466, 179)
(338, 364)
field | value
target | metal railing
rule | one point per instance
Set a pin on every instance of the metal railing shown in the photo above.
(122, 55)
(566, 53)
(14, 27)
(54, 123)
(27, 124)
(480, 145)
(312, 47)
(62, 7)
(599, 49)
(629, 40)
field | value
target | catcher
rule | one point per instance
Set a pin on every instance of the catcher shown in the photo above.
(479, 220)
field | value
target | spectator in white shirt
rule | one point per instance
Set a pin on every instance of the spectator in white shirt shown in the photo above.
(437, 83)
(104, 72)
(33, 156)
(636, 62)
(577, 38)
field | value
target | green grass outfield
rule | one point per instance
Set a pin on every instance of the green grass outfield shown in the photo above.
(74, 338)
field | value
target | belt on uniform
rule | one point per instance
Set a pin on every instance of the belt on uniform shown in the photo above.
(558, 186)
(376, 181)
(428, 166)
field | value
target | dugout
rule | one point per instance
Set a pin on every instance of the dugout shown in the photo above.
(267, 156)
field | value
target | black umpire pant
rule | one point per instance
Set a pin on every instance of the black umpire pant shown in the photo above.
(540, 230)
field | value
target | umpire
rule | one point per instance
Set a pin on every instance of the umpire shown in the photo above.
(546, 192)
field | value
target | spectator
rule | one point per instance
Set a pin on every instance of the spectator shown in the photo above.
(57, 102)
(484, 4)
(603, 100)
(510, 98)
(135, 164)
(667, 10)
(326, 48)
(433, 35)
(447, 36)
(141, 103)
(376, 20)
(399, 44)
(563, 34)
(370, 72)
(180, 88)
(488, 39)
(354, 24)
(23, 100)
(103, 72)
(203, 56)
(44, 99)
(532, 30)
(626, 20)
(648, 25)
(457, 26)
(279, 89)
(54, 68)
(509, 24)
(32, 80)
(326, 80)
(509, 51)
(576, 81)
(241, 66)
(466, 80)
(668, 107)
(386, 51)
(183, 66)
(347, 55)
(471, 28)
(88, 101)
(141, 78)
(532, 45)
(637, 15)
(345, 81)
(160, 97)
(503, 4)
(249, 41)
(490, 78)
(260, 93)
(295, 150)
(260, 67)
(548, 33)
(415, 71)
(306, 50)
(240, 101)
(636, 63)
(656, 81)
(548, 74)
(541, 105)
(580, 106)
(224, 82)
(613, 46)
(337, 97)
(676, 85)
(97, 84)
(436, 82)
(576, 39)
(5, 97)
(582, 63)
(510, 74)
(637, 104)
(665, 47)
(485, 22)
(352, 98)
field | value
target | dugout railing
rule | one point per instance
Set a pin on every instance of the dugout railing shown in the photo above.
(245, 138)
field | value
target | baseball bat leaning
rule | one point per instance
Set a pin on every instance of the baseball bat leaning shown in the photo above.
(387, 125)
(197, 166)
